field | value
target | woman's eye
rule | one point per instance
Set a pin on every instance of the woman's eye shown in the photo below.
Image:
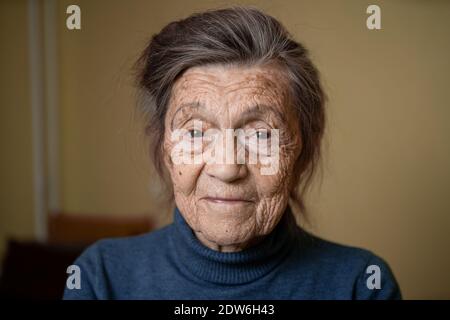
(262, 134)
(195, 133)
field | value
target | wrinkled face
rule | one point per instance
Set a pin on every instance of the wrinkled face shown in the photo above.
(231, 204)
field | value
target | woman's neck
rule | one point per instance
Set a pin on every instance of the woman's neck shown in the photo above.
(235, 247)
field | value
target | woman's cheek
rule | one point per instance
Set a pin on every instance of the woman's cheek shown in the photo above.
(184, 177)
(275, 183)
(269, 186)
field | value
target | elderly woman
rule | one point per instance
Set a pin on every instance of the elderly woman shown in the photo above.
(235, 115)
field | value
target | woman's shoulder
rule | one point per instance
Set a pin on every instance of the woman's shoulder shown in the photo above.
(131, 247)
(331, 251)
(132, 258)
(365, 273)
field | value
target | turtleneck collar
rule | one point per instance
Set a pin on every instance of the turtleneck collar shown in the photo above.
(231, 267)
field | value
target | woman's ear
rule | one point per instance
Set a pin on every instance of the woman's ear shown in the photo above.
(167, 163)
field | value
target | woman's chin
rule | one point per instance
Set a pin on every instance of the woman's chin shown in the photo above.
(228, 211)
(229, 237)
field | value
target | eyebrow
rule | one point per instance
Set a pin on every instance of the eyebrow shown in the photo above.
(260, 109)
(254, 111)
(191, 105)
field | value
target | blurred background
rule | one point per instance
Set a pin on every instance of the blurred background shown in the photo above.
(74, 166)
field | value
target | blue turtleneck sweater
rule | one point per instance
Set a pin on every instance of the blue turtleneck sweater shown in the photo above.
(171, 263)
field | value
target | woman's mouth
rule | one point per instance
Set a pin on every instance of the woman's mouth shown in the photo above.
(227, 200)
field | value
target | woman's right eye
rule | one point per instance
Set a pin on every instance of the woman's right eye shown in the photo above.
(195, 133)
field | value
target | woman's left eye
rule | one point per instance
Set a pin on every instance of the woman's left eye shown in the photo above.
(263, 134)
(195, 133)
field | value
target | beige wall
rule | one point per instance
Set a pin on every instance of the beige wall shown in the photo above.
(16, 178)
(386, 166)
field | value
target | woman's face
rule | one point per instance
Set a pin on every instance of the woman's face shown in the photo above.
(229, 203)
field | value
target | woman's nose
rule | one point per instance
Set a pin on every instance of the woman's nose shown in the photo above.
(227, 172)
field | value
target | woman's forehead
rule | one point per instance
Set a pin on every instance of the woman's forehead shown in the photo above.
(227, 74)
(235, 85)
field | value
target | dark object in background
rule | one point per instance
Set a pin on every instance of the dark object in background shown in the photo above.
(69, 228)
(36, 271)
(33, 270)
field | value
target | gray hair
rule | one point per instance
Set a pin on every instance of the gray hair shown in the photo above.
(238, 35)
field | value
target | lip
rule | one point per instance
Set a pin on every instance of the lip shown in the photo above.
(221, 200)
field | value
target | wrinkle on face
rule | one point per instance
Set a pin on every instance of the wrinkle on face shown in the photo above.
(232, 97)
